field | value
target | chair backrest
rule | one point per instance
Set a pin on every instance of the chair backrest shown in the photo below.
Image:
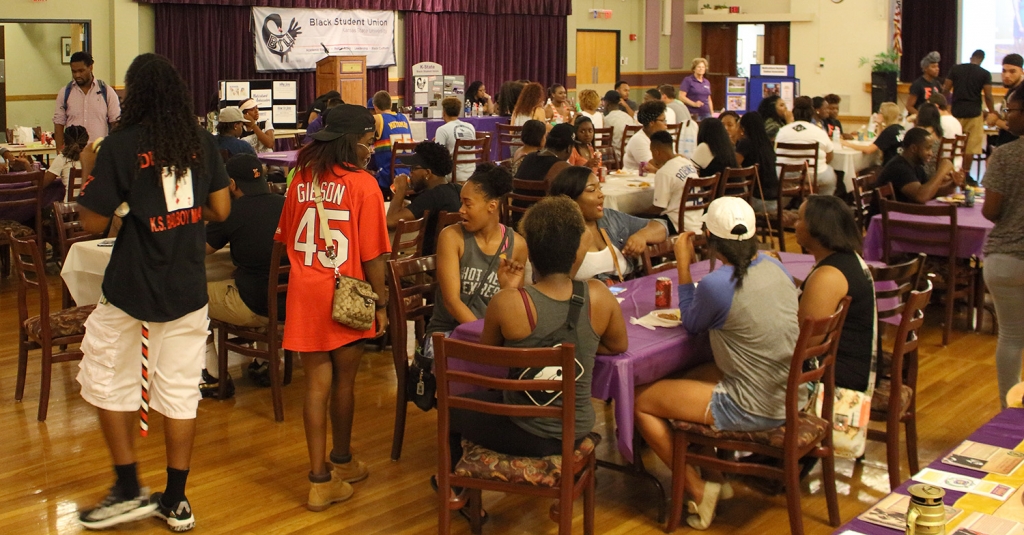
(603, 143)
(885, 191)
(298, 140)
(863, 199)
(903, 368)
(412, 284)
(738, 182)
(659, 257)
(808, 152)
(697, 195)
(445, 219)
(627, 134)
(894, 283)
(793, 184)
(277, 284)
(818, 341)
(677, 132)
(909, 232)
(74, 184)
(524, 194)
(509, 137)
(469, 151)
(31, 273)
(398, 149)
(946, 148)
(960, 147)
(408, 240)
(24, 190)
(69, 227)
(562, 357)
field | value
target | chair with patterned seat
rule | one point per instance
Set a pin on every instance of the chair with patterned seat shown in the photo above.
(483, 469)
(69, 232)
(62, 328)
(803, 433)
(19, 192)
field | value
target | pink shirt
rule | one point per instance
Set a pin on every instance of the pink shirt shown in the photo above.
(88, 109)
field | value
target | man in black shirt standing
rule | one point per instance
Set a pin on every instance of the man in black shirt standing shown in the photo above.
(967, 81)
(163, 175)
(429, 166)
(255, 213)
(928, 83)
(906, 171)
(1013, 75)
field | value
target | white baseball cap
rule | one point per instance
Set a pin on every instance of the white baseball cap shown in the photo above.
(247, 104)
(730, 218)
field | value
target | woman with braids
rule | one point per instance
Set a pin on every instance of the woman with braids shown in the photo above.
(75, 139)
(332, 169)
(749, 308)
(162, 174)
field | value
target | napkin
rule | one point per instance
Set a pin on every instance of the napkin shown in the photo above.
(666, 317)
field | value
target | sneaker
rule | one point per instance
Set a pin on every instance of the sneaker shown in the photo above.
(210, 387)
(179, 517)
(322, 495)
(349, 472)
(115, 510)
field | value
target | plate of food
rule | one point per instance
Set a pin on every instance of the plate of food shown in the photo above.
(956, 198)
(639, 184)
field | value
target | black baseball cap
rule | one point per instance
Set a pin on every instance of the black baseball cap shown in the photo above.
(1014, 59)
(346, 119)
(247, 172)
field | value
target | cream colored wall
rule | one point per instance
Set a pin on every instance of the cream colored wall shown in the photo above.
(33, 67)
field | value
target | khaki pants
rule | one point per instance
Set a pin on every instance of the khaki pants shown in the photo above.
(226, 305)
(974, 127)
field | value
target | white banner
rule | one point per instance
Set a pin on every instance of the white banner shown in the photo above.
(294, 39)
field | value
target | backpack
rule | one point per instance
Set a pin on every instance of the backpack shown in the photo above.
(67, 92)
(560, 335)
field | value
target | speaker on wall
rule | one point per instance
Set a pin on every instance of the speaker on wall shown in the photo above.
(883, 88)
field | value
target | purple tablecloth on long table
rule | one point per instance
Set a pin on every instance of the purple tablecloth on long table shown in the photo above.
(972, 226)
(652, 355)
(1005, 430)
(486, 123)
(284, 158)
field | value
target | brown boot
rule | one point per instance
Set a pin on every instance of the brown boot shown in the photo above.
(322, 495)
(350, 472)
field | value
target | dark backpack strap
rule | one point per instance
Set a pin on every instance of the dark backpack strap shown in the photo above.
(575, 305)
(67, 94)
(529, 314)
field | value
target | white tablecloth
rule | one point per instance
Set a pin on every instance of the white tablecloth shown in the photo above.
(852, 161)
(87, 261)
(627, 193)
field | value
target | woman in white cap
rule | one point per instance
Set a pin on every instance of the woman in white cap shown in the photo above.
(749, 308)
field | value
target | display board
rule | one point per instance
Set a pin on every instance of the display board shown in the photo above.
(277, 100)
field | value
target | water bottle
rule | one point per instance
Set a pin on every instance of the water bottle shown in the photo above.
(836, 136)
(468, 111)
(968, 196)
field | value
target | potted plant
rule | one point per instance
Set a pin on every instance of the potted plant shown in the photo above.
(708, 9)
(885, 70)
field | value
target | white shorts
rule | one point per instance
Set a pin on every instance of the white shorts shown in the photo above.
(111, 369)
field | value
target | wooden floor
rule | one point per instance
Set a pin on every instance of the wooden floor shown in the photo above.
(249, 473)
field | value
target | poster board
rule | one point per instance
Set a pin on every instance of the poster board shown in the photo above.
(277, 100)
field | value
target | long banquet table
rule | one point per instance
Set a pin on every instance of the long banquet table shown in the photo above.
(972, 229)
(652, 355)
(423, 130)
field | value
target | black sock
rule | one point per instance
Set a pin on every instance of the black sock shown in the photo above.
(323, 478)
(175, 491)
(340, 459)
(127, 480)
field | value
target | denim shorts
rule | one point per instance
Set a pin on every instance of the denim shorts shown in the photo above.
(730, 417)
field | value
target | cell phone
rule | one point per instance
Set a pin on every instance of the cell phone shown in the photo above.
(106, 243)
(616, 290)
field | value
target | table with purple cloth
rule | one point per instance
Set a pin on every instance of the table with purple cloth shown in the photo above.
(485, 123)
(1005, 430)
(652, 355)
(284, 158)
(972, 229)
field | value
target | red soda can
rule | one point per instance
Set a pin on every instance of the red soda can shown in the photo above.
(643, 168)
(663, 292)
(600, 174)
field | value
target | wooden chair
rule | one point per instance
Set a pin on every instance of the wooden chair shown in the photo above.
(627, 134)
(469, 151)
(697, 195)
(576, 475)
(658, 257)
(803, 434)
(69, 232)
(509, 137)
(445, 219)
(676, 130)
(959, 149)
(791, 190)
(21, 190)
(56, 329)
(955, 275)
(603, 143)
(408, 239)
(525, 193)
(74, 185)
(399, 149)
(885, 191)
(298, 140)
(412, 284)
(808, 152)
(863, 200)
(267, 337)
(738, 182)
(894, 287)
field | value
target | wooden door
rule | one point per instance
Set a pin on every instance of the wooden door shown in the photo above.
(776, 43)
(718, 46)
(597, 60)
(3, 86)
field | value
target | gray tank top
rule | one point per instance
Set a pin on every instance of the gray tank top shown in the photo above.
(478, 276)
(551, 315)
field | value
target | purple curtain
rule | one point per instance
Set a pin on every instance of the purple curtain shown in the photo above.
(195, 39)
(927, 26)
(488, 48)
(490, 7)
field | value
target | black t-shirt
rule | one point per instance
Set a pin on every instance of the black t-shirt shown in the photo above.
(831, 125)
(535, 166)
(768, 173)
(924, 89)
(968, 82)
(156, 270)
(1004, 136)
(715, 166)
(900, 172)
(856, 342)
(444, 197)
(250, 231)
(890, 142)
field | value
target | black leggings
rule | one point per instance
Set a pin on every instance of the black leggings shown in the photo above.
(498, 433)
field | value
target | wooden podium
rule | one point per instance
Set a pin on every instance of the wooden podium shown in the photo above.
(344, 74)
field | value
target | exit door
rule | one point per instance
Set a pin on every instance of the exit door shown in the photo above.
(597, 60)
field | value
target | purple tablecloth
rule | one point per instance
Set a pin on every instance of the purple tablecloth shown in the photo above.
(973, 231)
(652, 355)
(285, 158)
(1005, 430)
(486, 123)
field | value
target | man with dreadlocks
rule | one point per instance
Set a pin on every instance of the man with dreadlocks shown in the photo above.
(163, 175)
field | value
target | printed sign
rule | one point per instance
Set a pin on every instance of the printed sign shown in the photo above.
(294, 39)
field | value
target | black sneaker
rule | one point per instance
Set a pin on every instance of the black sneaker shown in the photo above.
(210, 387)
(115, 510)
(179, 517)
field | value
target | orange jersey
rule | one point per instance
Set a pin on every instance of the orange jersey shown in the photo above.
(354, 208)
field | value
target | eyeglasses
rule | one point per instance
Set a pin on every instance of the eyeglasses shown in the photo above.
(1008, 110)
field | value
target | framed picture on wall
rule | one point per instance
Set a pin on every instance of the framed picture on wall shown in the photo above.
(65, 50)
